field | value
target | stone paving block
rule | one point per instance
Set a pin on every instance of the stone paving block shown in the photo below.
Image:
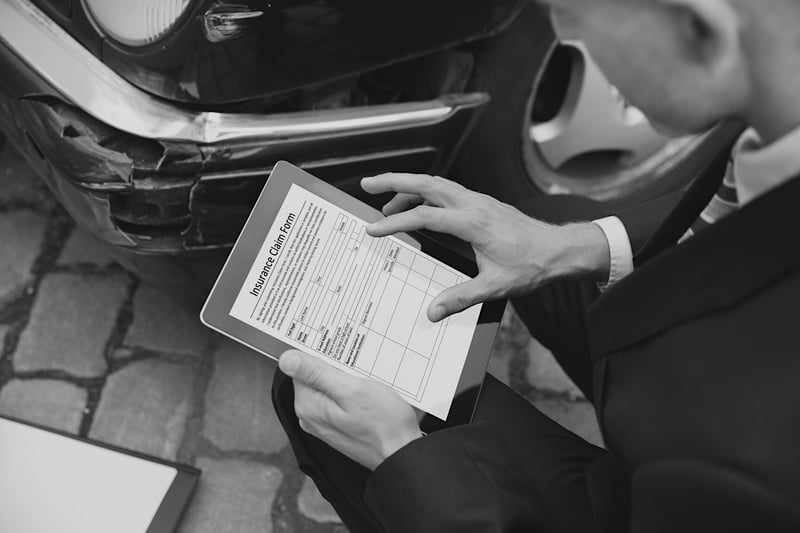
(239, 413)
(164, 322)
(578, 417)
(18, 182)
(542, 371)
(233, 497)
(70, 324)
(56, 404)
(312, 505)
(545, 373)
(512, 339)
(82, 248)
(499, 366)
(22, 234)
(145, 406)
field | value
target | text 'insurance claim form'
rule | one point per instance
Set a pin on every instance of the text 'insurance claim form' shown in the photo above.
(322, 285)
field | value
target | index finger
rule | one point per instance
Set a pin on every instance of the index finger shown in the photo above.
(314, 373)
(437, 219)
(435, 190)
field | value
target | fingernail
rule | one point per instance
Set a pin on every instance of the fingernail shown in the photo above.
(288, 363)
(435, 313)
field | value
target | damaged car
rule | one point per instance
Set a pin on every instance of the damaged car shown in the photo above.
(155, 124)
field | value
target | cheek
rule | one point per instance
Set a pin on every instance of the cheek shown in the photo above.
(644, 59)
(650, 82)
(565, 26)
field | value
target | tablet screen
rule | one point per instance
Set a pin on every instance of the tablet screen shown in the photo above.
(304, 274)
(324, 286)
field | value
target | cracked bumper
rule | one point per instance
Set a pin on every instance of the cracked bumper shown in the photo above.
(162, 184)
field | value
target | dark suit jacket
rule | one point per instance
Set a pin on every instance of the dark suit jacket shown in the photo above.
(697, 388)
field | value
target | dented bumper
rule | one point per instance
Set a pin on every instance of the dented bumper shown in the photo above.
(159, 182)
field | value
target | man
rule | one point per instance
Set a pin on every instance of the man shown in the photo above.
(691, 357)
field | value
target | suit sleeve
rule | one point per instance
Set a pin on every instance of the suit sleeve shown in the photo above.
(642, 220)
(689, 496)
(622, 243)
(435, 484)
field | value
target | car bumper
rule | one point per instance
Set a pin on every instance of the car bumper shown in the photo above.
(157, 180)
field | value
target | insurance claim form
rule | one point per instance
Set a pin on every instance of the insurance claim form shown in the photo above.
(321, 284)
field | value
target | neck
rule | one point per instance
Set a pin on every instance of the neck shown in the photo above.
(775, 109)
(773, 125)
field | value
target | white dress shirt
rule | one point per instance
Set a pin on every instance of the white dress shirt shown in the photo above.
(756, 169)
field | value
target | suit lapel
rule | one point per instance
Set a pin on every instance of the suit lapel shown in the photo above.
(685, 212)
(696, 198)
(715, 269)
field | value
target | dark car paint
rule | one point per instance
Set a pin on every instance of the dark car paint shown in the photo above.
(176, 197)
(293, 44)
(164, 213)
(170, 211)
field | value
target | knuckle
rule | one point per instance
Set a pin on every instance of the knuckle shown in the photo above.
(483, 202)
(424, 212)
(443, 182)
(300, 409)
(331, 417)
(313, 375)
(475, 218)
(430, 184)
(461, 301)
(482, 197)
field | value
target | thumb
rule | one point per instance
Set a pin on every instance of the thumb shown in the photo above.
(313, 373)
(457, 298)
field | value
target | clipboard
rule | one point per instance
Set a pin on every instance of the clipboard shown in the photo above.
(54, 481)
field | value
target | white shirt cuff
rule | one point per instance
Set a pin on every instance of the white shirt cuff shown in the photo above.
(619, 244)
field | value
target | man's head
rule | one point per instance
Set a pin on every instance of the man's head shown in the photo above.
(689, 63)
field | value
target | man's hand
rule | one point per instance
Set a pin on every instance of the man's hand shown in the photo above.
(515, 253)
(364, 420)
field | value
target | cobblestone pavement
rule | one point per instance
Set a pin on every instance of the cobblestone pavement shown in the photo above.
(87, 348)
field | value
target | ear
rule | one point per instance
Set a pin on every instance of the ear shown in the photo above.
(711, 32)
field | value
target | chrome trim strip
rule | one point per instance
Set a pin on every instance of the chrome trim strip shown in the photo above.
(88, 83)
(317, 164)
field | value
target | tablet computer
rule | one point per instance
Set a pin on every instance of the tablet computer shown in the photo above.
(304, 274)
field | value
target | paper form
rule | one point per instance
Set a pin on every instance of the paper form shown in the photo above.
(322, 285)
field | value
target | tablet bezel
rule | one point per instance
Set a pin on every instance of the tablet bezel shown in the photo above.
(216, 310)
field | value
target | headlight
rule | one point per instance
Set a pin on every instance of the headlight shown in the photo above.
(136, 22)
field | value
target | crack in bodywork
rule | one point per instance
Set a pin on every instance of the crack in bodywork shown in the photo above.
(143, 186)
(77, 149)
(98, 140)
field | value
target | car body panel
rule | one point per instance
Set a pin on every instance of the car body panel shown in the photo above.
(143, 180)
(168, 187)
(284, 45)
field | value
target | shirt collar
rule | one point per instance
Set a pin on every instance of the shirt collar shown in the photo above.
(758, 168)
